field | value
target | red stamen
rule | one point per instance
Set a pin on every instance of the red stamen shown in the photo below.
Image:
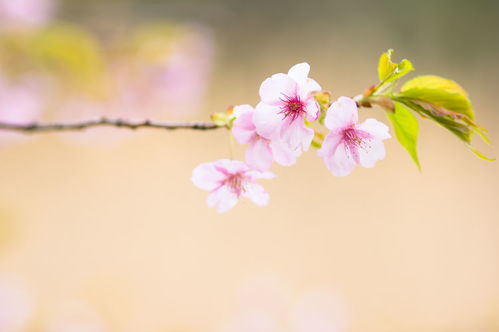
(235, 183)
(293, 107)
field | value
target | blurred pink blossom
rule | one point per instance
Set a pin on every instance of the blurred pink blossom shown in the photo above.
(261, 152)
(21, 101)
(174, 84)
(266, 305)
(349, 144)
(139, 88)
(25, 13)
(16, 305)
(286, 101)
(227, 180)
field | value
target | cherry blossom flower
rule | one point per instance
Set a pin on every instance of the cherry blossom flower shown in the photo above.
(25, 13)
(349, 143)
(227, 180)
(286, 101)
(261, 152)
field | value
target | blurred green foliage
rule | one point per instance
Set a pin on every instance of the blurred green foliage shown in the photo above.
(71, 53)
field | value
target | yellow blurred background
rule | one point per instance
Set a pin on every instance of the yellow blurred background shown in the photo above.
(117, 237)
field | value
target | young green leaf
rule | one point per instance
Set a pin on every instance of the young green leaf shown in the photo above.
(385, 65)
(445, 102)
(439, 91)
(389, 72)
(452, 122)
(406, 129)
(461, 126)
(479, 154)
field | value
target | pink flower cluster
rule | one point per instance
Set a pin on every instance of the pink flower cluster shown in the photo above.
(279, 129)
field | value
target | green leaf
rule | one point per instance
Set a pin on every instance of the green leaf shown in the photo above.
(454, 124)
(479, 154)
(440, 92)
(385, 65)
(404, 67)
(443, 101)
(406, 129)
(389, 72)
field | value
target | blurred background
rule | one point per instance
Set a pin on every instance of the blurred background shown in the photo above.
(103, 230)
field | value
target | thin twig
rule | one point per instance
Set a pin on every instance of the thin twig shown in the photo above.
(36, 127)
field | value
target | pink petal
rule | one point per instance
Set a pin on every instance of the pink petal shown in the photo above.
(267, 120)
(206, 177)
(299, 72)
(377, 129)
(243, 128)
(296, 134)
(283, 155)
(223, 199)
(241, 109)
(309, 87)
(375, 151)
(256, 194)
(330, 145)
(313, 110)
(259, 154)
(274, 88)
(306, 85)
(227, 166)
(306, 89)
(341, 162)
(342, 113)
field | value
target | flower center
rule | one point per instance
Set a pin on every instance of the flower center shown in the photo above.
(293, 107)
(236, 183)
(351, 137)
(356, 139)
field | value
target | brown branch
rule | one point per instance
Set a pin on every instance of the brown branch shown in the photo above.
(36, 127)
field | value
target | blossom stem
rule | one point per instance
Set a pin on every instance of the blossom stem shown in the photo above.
(36, 127)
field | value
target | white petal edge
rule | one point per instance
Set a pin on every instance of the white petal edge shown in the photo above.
(257, 194)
